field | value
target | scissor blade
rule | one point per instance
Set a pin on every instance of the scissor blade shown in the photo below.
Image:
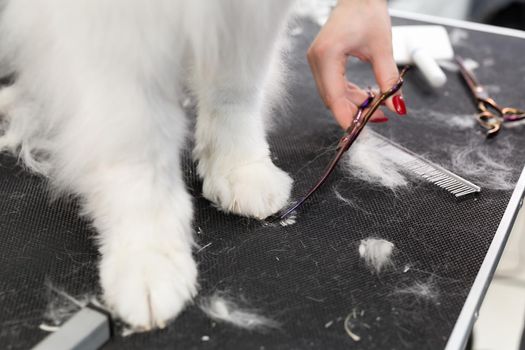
(361, 118)
(469, 77)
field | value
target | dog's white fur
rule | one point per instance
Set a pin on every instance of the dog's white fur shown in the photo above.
(95, 107)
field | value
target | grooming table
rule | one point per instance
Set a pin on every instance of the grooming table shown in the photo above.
(308, 276)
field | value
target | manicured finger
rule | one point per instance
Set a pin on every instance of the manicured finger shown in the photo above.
(358, 96)
(387, 75)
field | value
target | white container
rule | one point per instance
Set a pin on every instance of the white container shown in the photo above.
(422, 45)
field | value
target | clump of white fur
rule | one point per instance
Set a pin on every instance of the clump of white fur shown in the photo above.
(62, 306)
(376, 253)
(454, 120)
(367, 160)
(484, 164)
(373, 160)
(220, 307)
(462, 122)
(426, 290)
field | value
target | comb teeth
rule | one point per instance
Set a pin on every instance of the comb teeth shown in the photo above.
(442, 177)
(431, 172)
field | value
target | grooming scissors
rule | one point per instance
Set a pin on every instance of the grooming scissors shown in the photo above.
(491, 115)
(363, 114)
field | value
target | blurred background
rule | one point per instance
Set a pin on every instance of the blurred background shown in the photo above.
(505, 13)
(501, 318)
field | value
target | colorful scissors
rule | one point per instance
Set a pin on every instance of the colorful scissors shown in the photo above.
(363, 114)
(491, 115)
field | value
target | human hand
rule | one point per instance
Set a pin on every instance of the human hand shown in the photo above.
(359, 28)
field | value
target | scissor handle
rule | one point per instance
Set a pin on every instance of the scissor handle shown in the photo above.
(490, 122)
(485, 104)
(510, 114)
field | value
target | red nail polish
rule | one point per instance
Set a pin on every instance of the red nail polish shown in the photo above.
(379, 120)
(399, 105)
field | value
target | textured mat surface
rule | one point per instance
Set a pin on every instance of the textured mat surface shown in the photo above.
(308, 276)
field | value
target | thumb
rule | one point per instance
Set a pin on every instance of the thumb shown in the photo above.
(387, 75)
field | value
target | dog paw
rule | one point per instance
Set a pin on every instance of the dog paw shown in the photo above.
(148, 287)
(258, 189)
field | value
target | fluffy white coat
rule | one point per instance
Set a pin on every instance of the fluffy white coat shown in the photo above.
(96, 107)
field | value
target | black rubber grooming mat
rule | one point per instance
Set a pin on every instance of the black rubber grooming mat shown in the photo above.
(308, 276)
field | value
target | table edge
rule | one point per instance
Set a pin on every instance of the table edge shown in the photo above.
(469, 313)
(480, 27)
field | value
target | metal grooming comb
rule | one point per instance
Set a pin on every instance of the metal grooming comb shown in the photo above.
(429, 171)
